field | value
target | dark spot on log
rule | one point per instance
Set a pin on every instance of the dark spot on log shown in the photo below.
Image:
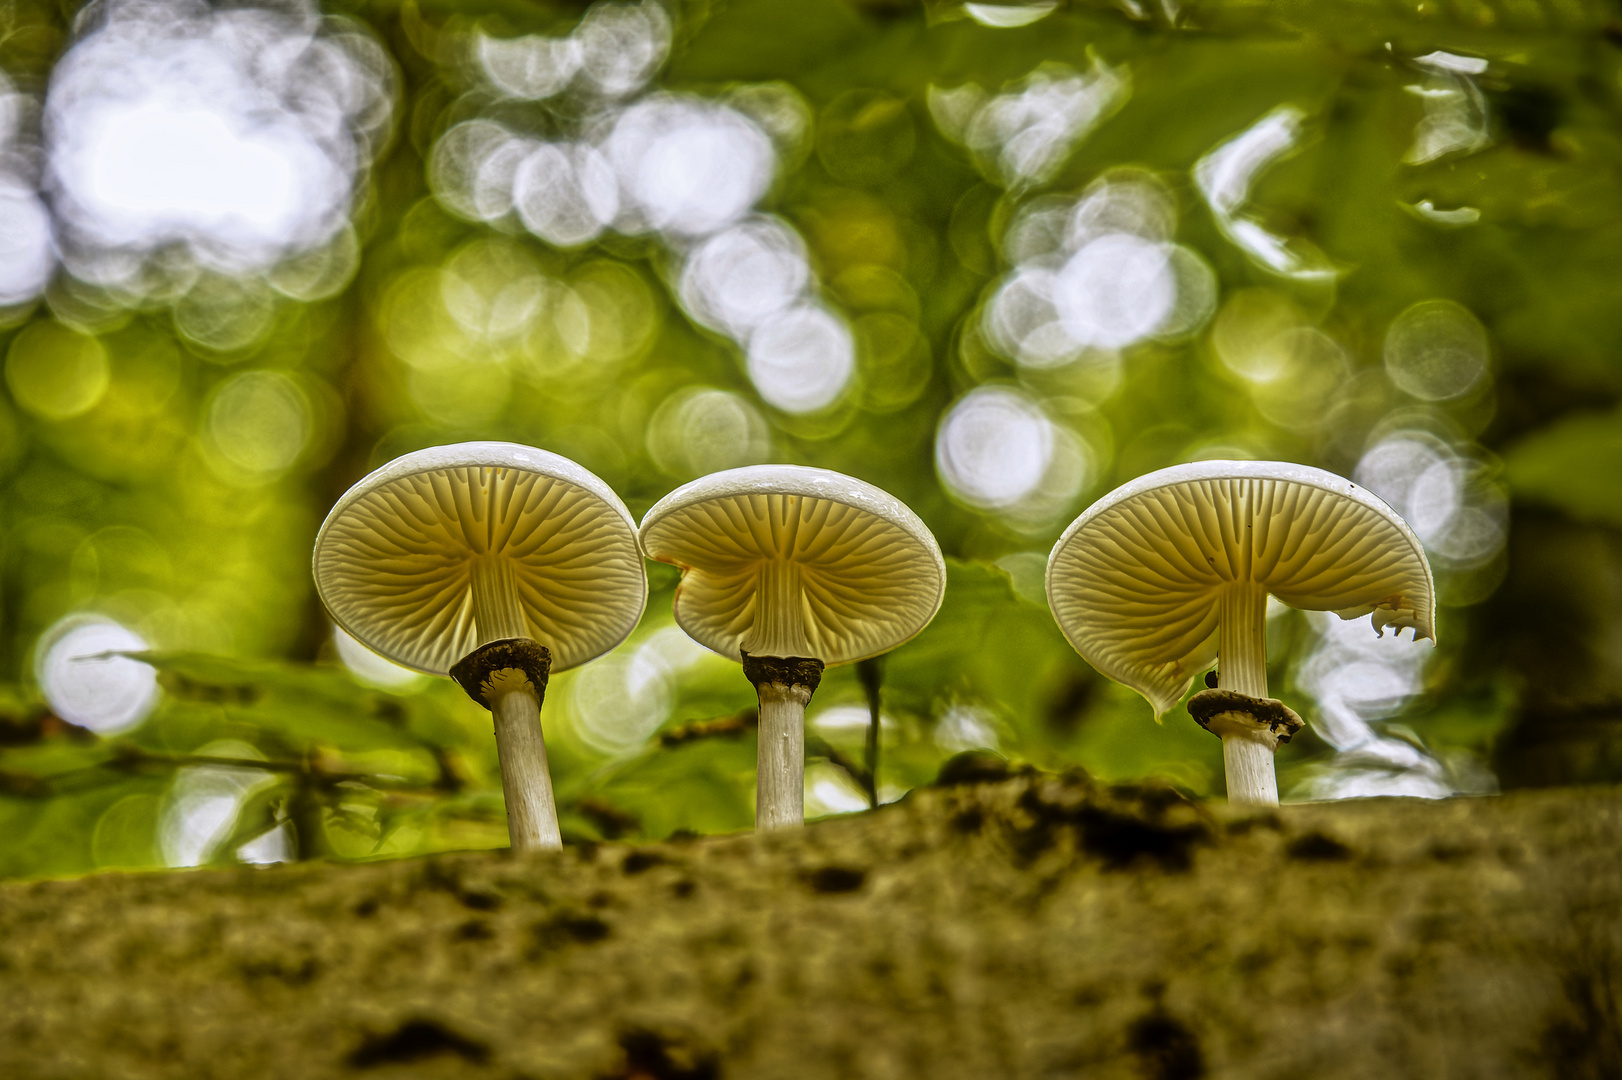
(1121, 839)
(599, 900)
(1156, 798)
(1246, 826)
(366, 908)
(1585, 1038)
(568, 928)
(1119, 835)
(1316, 847)
(1088, 997)
(1254, 962)
(417, 1040)
(653, 1056)
(835, 879)
(638, 861)
(1448, 853)
(1165, 1048)
(1401, 967)
(683, 836)
(969, 821)
(972, 767)
(283, 969)
(682, 889)
(474, 930)
(479, 900)
(586, 929)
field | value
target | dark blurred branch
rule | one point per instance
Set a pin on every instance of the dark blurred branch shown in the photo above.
(870, 673)
(128, 760)
(721, 727)
(816, 746)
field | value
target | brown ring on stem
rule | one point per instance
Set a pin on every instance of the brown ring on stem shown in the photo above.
(1226, 708)
(509, 678)
(498, 663)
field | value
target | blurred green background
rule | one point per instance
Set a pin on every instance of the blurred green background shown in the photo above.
(995, 258)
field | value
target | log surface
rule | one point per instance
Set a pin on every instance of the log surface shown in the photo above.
(1030, 925)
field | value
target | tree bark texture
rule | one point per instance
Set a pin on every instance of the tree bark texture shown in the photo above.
(1027, 925)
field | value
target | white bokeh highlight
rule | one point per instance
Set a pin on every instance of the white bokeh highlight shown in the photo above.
(238, 134)
(87, 682)
(1021, 136)
(1225, 177)
(369, 668)
(204, 803)
(1359, 678)
(1455, 119)
(1096, 273)
(997, 450)
(1448, 498)
(801, 359)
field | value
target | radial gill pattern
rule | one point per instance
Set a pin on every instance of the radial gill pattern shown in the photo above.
(394, 565)
(1135, 582)
(797, 575)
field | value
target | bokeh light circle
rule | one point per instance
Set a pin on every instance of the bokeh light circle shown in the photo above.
(1116, 291)
(686, 166)
(1436, 350)
(739, 278)
(994, 447)
(801, 359)
(258, 422)
(56, 373)
(86, 684)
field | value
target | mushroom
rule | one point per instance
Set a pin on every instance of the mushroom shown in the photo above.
(1172, 571)
(789, 570)
(495, 564)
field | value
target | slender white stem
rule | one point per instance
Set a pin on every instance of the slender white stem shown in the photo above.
(1247, 755)
(497, 613)
(532, 818)
(780, 764)
(526, 783)
(1247, 759)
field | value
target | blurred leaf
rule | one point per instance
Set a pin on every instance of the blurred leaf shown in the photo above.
(1574, 464)
(303, 704)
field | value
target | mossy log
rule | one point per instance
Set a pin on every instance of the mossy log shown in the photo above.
(1028, 926)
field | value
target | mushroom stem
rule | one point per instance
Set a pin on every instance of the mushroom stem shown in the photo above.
(784, 686)
(513, 695)
(532, 817)
(1247, 755)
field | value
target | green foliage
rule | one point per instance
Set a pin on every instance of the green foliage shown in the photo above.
(1574, 464)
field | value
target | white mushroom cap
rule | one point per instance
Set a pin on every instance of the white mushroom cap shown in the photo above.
(1134, 582)
(396, 558)
(854, 571)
